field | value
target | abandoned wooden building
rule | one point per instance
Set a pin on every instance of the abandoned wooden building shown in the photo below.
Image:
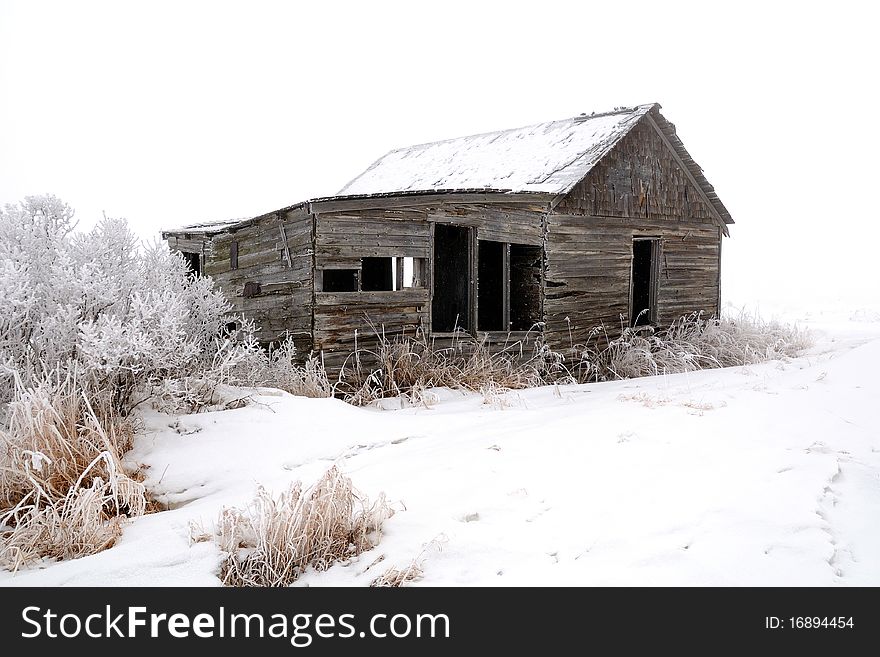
(551, 230)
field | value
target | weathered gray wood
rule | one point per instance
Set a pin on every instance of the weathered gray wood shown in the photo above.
(540, 201)
(645, 187)
(687, 172)
(589, 265)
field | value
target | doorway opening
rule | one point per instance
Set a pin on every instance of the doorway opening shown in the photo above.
(526, 265)
(491, 285)
(451, 303)
(508, 286)
(643, 306)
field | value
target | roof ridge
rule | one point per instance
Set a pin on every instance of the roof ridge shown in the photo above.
(636, 113)
(580, 118)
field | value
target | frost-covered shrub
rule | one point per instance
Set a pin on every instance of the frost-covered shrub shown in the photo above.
(127, 317)
(90, 324)
(280, 367)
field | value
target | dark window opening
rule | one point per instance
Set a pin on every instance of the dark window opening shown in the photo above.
(252, 289)
(451, 303)
(340, 280)
(644, 282)
(387, 274)
(525, 286)
(377, 274)
(491, 285)
(233, 255)
(194, 262)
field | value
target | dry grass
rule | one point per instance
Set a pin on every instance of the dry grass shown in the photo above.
(271, 542)
(281, 370)
(688, 344)
(63, 492)
(408, 366)
(397, 577)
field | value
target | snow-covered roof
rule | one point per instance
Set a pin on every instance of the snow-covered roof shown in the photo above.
(210, 227)
(547, 157)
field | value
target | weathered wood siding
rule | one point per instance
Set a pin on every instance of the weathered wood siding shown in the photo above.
(282, 292)
(639, 178)
(520, 224)
(639, 189)
(343, 237)
(192, 244)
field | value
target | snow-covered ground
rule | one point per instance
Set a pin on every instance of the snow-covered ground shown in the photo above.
(762, 475)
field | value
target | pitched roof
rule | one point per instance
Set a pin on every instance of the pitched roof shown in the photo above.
(547, 157)
(209, 227)
(667, 128)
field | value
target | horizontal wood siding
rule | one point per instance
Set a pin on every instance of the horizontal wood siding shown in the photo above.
(515, 224)
(187, 244)
(588, 268)
(344, 236)
(283, 302)
(638, 189)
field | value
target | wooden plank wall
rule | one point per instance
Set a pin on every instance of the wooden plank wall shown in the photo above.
(589, 261)
(640, 177)
(283, 303)
(520, 224)
(343, 237)
(193, 244)
(637, 190)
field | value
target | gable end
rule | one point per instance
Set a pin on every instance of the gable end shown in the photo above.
(645, 176)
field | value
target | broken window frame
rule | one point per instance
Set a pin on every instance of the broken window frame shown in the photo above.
(418, 281)
(473, 266)
(510, 252)
(194, 262)
(419, 269)
(397, 280)
(377, 274)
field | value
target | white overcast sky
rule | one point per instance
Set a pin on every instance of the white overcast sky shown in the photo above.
(172, 112)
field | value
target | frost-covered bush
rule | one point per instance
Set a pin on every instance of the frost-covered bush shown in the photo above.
(90, 324)
(127, 317)
(280, 367)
